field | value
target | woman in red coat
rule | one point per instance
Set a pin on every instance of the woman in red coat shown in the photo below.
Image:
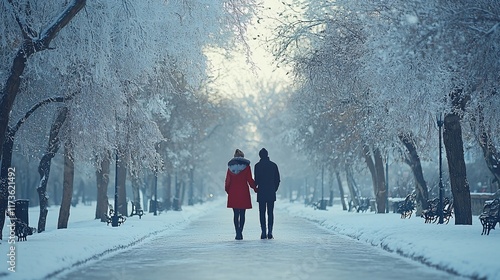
(238, 180)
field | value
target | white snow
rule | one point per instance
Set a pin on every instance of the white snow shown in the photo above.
(412, 19)
(458, 248)
(85, 239)
(461, 249)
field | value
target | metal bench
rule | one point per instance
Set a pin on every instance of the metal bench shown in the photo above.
(431, 214)
(139, 212)
(109, 220)
(407, 207)
(490, 216)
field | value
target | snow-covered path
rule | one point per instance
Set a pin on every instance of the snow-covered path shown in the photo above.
(206, 249)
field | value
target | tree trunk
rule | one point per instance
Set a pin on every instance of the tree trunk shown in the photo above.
(44, 166)
(69, 175)
(149, 190)
(168, 193)
(351, 184)
(102, 177)
(381, 191)
(202, 191)
(121, 186)
(191, 187)
(330, 199)
(176, 204)
(330, 189)
(314, 190)
(136, 192)
(490, 153)
(341, 190)
(371, 166)
(4, 181)
(452, 138)
(413, 160)
(183, 193)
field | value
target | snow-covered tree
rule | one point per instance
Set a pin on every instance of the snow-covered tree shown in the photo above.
(106, 59)
(410, 61)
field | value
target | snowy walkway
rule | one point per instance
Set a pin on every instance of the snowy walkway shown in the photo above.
(206, 249)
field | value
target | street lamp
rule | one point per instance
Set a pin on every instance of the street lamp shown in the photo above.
(387, 184)
(322, 204)
(157, 147)
(114, 218)
(306, 193)
(440, 122)
(156, 192)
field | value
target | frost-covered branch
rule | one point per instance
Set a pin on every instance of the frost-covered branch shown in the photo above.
(35, 107)
(59, 23)
(28, 32)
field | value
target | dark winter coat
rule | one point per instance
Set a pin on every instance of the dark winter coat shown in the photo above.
(238, 181)
(267, 179)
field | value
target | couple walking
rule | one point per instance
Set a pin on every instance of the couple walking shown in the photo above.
(239, 180)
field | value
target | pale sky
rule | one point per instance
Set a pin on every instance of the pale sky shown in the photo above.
(237, 77)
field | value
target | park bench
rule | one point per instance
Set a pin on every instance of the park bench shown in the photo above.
(320, 204)
(159, 205)
(121, 218)
(139, 212)
(431, 214)
(364, 205)
(490, 216)
(21, 229)
(406, 207)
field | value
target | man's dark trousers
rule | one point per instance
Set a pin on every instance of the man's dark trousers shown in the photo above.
(270, 216)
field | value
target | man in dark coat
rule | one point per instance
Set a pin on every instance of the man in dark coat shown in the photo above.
(267, 179)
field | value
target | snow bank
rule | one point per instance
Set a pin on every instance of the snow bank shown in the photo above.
(458, 249)
(55, 250)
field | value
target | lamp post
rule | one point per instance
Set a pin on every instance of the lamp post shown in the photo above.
(306, 193)
(156, 192)
(387, 184)
(322, 203)
(114, 218)
(440, 122)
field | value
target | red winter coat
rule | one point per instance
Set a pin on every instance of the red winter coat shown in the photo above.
(238, 180)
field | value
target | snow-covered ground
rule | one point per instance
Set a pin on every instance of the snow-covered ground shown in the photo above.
(85, 239)
(460, 249)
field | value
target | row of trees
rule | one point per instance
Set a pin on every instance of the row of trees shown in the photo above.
(372, 76)
(111, 79)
